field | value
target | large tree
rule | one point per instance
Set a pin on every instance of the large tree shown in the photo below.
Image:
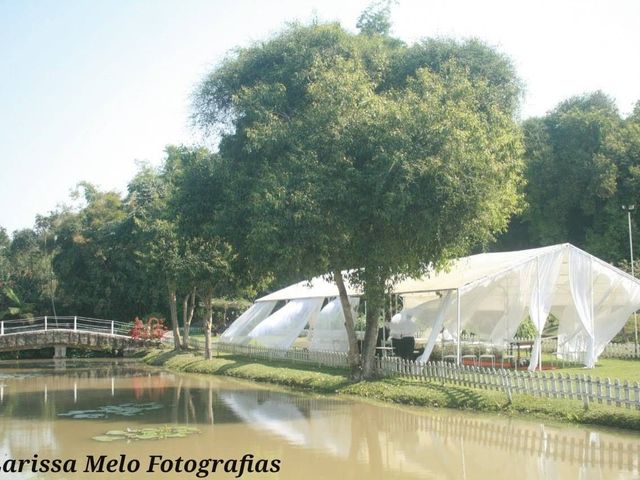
(186, 257)
(360, 154)
(212, 269)
(161, 251)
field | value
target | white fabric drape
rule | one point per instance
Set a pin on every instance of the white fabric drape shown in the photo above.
(581, 282)
(445, 305)
(516, 287)
(329, 332)
(417, 316)
(238, 330)
(572, 339)
(281, 328)
(602, 300)
(547, 268)
(616, 297)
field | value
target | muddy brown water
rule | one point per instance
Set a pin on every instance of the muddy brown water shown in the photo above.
(55, 409)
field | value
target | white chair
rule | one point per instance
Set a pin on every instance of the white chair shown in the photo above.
(511, 358)
(488, 356)
(473, 358)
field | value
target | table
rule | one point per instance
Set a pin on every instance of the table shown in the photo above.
(524, 345)
(384, 351)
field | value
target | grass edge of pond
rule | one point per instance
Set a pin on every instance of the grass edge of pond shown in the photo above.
(398, 390)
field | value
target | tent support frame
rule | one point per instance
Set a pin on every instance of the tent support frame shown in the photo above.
(593, 330)
(540, 326)
(458, 350)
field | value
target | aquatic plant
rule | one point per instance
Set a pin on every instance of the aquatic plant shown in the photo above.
(124, 410)
(147, 433)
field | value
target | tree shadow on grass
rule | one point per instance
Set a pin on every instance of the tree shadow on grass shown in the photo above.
(163, 357)
(464, 398)
(458, 396)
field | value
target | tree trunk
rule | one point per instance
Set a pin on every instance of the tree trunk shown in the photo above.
(374, 296)
(173, 308)
(208, 320)
(354, 355)
(185, 336)
(188, 308)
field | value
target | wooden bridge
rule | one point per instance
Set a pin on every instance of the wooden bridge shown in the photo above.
(63, 332)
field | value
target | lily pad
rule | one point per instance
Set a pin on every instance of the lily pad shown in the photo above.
(105, 411)
(147, 433)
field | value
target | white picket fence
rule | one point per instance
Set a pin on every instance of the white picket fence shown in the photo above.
(611, 350)
(620, 350)
(550, 345)
(540, 384)
(297, 355)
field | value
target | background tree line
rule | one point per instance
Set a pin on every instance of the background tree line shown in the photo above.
(336, 152)
(582, 166)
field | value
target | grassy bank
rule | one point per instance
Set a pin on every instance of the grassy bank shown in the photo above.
(397, 390)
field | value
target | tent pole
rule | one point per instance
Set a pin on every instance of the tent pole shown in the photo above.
(593, 326)
(384, 330)
(458, 326)
(539, 342)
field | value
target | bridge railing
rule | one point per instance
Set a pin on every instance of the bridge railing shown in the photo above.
(73, 323)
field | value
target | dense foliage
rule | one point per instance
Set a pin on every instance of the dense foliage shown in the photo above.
(120, 257)
(582, 165)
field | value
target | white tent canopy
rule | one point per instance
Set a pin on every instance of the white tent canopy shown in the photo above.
(490, 294)
(328, 333)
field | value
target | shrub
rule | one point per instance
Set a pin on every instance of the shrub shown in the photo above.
(153, 330)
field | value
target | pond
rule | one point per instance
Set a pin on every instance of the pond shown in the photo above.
(113, 419)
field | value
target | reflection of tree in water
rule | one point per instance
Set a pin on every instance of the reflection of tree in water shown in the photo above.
(77, 368)
(365, 439)
(50, 398)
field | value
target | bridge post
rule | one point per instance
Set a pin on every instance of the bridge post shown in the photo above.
(111, 327)
(2, 328)
(45, 323)
(60, 351)
(75, 324)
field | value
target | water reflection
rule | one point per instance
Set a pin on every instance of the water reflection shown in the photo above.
(436, 443)
(330, 435)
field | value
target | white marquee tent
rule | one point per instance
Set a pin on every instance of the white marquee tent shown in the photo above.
(488, 294)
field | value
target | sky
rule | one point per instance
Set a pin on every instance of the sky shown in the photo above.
(89, 89)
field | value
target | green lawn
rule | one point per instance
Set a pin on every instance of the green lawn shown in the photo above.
(607, 367)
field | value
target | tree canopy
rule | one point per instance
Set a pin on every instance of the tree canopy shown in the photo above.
(357, 152)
